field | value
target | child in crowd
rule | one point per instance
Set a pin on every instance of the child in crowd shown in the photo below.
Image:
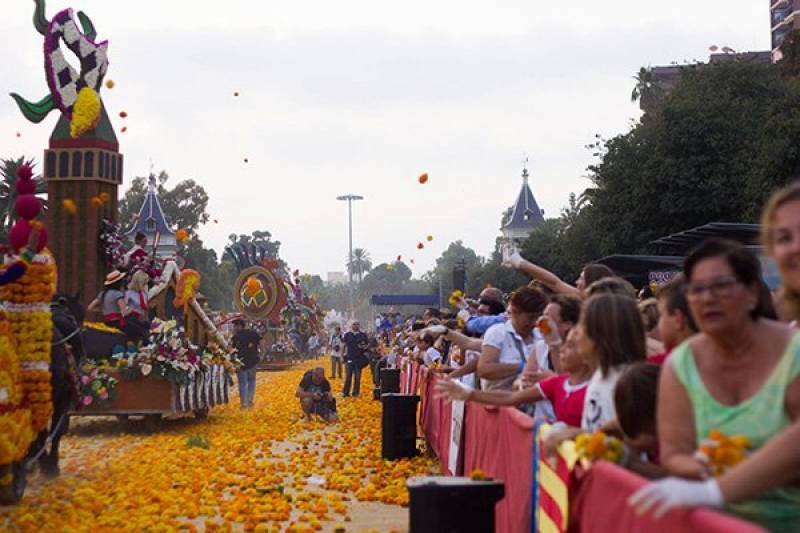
(611, 337)
(566, 391)
(635, 399)
(428, 355)
(675, 322)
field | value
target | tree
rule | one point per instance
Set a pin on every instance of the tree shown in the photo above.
(647, 91)
(726, 136)
(442, 274)
(8, 192)
(359, 263)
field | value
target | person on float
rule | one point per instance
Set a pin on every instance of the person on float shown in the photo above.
(777, 463)
(589, 274)
(111, 304)
(315, 396)
(137, 256)
(137, 302)
(739, 376)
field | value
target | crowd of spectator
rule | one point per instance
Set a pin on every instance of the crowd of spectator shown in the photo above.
(712, 350)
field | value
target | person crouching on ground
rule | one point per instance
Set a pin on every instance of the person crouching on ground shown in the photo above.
(315, 396)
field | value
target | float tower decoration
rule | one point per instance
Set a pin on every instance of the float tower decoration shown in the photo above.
(82, 166)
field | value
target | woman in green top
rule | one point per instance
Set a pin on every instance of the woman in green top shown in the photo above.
(740, 375)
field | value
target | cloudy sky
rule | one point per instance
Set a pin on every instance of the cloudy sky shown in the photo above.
(362, 96)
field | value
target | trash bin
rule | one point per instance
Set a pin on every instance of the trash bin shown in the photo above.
(452, 504)
(399, 426)
(390, 380)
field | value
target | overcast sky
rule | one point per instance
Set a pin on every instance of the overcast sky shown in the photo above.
(362, 97)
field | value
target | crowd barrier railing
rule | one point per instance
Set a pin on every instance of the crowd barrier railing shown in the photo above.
(565, 497)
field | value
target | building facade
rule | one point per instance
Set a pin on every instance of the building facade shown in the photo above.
(784, 19)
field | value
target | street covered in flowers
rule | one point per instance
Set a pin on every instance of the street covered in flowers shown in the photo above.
(260, 469)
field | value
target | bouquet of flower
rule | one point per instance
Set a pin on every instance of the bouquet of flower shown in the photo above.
(721, 452)
(96, 386)
(598, 445)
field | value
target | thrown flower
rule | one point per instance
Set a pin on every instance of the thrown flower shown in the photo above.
(69, 206)
(423, 178)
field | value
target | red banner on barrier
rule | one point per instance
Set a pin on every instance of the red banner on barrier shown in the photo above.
(499, 441)
(436, 420)
(599, 503)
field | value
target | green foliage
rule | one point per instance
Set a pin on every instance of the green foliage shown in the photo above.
(442, 273)
(184, 205)
(198, 441)
(359, 264)
(712, 151)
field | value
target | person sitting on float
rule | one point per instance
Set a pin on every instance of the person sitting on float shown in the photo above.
(740, 376)
(112, 305)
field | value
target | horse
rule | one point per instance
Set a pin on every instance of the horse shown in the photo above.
(67, 353)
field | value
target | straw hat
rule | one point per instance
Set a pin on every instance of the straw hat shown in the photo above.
(113, 277)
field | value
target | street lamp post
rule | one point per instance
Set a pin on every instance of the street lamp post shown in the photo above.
(350, 198)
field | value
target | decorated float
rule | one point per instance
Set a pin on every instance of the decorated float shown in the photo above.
(185, 367)
(274, 305)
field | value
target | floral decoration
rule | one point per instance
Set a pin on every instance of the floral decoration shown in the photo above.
(86, 113)
(97, 387)
(721, 452)
(596, 446)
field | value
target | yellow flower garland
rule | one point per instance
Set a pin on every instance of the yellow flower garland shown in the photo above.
(16, 432)
(27, 303)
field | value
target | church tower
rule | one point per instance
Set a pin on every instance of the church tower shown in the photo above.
(525, 215)
(151, 221)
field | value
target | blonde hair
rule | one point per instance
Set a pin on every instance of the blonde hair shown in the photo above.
(649, 310)
(139, 281)
(789, 297)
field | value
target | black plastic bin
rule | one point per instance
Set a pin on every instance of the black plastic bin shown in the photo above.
(452, 504)
(399, 426)
(390, 380)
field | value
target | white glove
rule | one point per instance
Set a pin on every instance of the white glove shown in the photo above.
(671, 492)
(514, 260)
(463, 315)
(452, 389)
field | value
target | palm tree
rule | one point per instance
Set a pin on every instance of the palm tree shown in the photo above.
(8, 192)
(647, 90)
(359, 264)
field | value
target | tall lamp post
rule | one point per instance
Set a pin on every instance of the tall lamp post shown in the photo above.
(350, 198)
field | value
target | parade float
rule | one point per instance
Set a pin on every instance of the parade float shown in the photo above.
(274, 305)
(187, 365)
